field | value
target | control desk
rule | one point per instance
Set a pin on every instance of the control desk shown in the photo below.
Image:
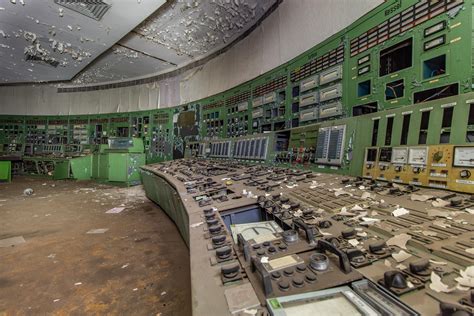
(268, 240)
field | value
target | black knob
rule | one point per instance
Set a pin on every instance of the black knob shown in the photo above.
(284, 199)
(456, 201)
(260, 252)
(224, 252)
(355, 255)
(288, 271)
(301, 267)
(282, 247)
(348, 233)
(310, 277)
(218, 240)
(211, 222)
(324, 224)
(394, 279)
(420, 267)
(448, 309)
(210, 216)
(271, 249)
(298, 281)
(276, 275)
(208, 211)
(294, 206)
(284, 285)
(377, 247)
(215, 229)
(230, 270)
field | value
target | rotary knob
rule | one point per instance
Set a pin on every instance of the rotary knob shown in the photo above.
(377, 247)
(348, 233)
(395, 279)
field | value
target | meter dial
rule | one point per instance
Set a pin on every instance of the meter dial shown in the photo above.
(418, 155)
(464, 157)
(400, 155)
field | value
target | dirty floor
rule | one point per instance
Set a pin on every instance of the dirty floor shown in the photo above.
(138, 266)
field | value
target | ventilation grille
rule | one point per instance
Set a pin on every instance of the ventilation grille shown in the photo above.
(39, 59)
(94, 9)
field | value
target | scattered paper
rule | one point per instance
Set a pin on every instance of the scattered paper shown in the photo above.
(367, 196)
(440, 203)
(78, 283)
(401, 256)
(441, 223)
(12, 241)
(196, 224)
(440, 263)
(125, 265)
(264, 260)
(56, 300)
(401, 266)
(470, 250)
(353, 242)
(357, 208)
(115, 210)
(429, 233)
(387, 263)
(438, 286)
(437, 213)
(97, 231)
(400, 212)
(467, 277)
(340, 192)
(420, 197)
(399, 241)
(469, 210)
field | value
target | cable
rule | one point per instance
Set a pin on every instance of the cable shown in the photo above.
(437, 93)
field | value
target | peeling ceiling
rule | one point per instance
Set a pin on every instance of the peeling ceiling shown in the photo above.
(54, 40)
(127, 43)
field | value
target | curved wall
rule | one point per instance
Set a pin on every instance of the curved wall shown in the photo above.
(295, 27)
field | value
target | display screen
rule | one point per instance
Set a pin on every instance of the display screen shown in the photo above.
(332, 305)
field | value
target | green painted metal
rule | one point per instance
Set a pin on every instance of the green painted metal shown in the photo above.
(168, 133)
(61, 170)
(82, 167)
(5, 171)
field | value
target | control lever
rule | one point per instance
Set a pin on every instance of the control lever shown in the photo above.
(298, 222)
(344, 262)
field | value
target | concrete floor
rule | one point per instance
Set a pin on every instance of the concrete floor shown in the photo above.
(139, 266)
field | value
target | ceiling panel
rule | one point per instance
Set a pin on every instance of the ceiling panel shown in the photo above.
(179, 33)
(43, 41)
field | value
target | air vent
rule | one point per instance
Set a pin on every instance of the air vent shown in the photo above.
(43, 60)
(94, 9)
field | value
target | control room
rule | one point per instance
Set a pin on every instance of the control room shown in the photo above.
(237, 157)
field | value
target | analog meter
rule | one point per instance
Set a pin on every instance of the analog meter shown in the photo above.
(400, 155)
(464, 157)
(418, 155)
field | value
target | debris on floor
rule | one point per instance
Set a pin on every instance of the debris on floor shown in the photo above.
(28, 192)
(97, 231)
(115, 210)
(12, 241)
